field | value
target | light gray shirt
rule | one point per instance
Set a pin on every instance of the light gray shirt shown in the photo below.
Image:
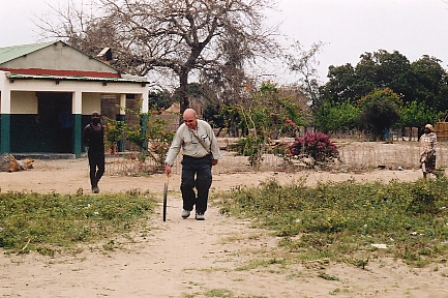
(185, 140)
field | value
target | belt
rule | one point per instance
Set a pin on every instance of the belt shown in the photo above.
(196, 157)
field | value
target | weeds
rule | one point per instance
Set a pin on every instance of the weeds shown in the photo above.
(339, 220)
(327, 276)
(51, 223)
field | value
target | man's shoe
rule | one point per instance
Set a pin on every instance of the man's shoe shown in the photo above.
(95, 189)
(185, 214)
(200, 216)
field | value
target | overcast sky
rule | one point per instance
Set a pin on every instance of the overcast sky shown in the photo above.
(348, 28)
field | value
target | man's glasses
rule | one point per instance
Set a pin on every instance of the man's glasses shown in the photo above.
(188, 121)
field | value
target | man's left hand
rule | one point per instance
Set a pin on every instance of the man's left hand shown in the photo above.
(214, 162)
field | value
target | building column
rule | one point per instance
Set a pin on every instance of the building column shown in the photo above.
(122, 118)
(145, 101)
(5, 110)
(144, 114)
(77, 121)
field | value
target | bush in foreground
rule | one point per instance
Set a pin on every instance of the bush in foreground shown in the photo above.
(50, 223)
(343, 220)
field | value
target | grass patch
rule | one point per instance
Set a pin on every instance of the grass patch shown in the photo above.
(224, 293)
(327, 276)
(51, 223)
(261, 263)
(341, 221)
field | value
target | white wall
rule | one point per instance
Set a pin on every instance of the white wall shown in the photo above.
(23, 102)
(59, 57)
(26, 102)
(91, 102)
(90, 90)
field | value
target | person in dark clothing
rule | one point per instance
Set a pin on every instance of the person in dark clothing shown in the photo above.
(93, 137)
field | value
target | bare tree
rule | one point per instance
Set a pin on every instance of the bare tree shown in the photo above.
(226, 82)
(77, 23)
(303, 62)
(187, 37)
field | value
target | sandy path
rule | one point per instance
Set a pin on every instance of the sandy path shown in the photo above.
(189, 258)
(67, 176)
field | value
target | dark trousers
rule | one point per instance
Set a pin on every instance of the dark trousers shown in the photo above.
(196, 173)
(96, 160)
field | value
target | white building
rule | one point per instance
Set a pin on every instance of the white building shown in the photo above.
(48, 92)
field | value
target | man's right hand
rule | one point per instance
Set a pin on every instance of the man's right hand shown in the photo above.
(167, 170)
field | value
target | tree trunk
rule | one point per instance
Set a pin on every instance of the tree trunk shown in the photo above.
(183, 81)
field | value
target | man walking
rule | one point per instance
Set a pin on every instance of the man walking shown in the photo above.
(93, 137)
(200, 151)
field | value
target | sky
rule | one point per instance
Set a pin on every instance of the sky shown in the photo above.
(346, 28)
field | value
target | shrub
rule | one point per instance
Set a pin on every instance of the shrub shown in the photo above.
(154, 140)
(114, 132)
(251, 147)
(316, 146)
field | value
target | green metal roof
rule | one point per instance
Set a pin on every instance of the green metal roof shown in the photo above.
(14, 52)
(125, 78)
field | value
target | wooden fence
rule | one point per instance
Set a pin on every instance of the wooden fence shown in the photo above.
(441, 130)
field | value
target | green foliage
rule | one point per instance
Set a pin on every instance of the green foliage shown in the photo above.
(268, 112)
(267, 116)
(160, 100)
(154, 140)
(342, 220)
(424, 80)
(426, 196)
(212, 115)
(339, 86)
(50, 223)
(380, 110)
(377, 70)
(414, 114)
(251, 147)
(333, 117)
(114, 132)
(230, 118)
(430, 83)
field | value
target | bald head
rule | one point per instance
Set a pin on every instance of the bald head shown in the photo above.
(190, 113)
(190, 118)
(95, 117)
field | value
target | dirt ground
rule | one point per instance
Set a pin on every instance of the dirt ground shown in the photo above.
(189, 258)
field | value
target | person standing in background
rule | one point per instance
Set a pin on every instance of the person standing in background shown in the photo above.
(93, 137)
(428, 142)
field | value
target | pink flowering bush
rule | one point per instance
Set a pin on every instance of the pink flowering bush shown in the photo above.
(317, 146)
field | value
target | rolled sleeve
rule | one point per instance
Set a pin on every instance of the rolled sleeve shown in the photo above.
(214, 148)
(174, 149)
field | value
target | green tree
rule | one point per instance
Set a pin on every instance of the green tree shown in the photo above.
(414, 114)
(160, 100)
(395, 73)
(377, 70)
(380, 111)
(337, 117)
(339, 87)
(430, 84)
